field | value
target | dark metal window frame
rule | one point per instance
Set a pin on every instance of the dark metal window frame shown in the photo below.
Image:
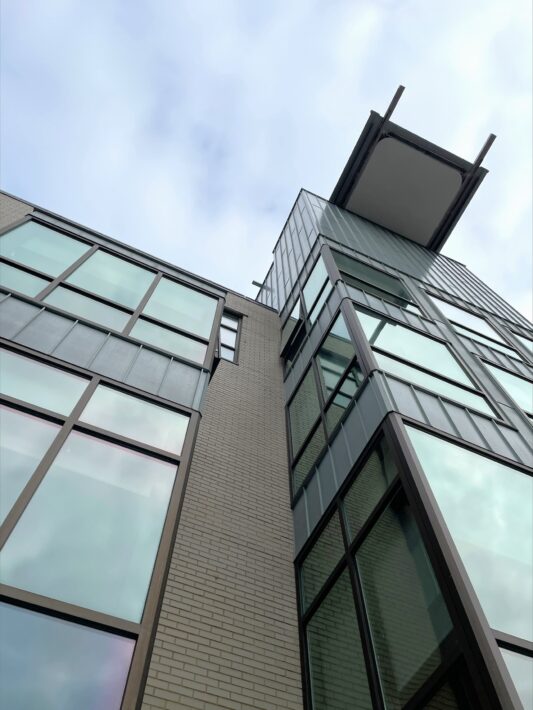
(144, 631)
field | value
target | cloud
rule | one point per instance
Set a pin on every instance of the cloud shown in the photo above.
(187, 128)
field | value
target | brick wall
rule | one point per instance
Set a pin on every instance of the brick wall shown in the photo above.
(12, 210)
(227, 635)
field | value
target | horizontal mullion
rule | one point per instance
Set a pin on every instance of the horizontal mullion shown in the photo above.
(324, 590)
(28, 269)
(29, 408)
(173, 328)
(513, 643)
(67, 611)
(93, 296)
(391, 319)
(390, 493)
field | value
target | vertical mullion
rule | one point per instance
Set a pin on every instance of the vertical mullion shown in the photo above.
(66, 273)
(144, 300)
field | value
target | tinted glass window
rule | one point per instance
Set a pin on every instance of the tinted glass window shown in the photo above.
(113, 278)
(521, 671)
(517, 388)
(407, 614)
(169, 340)
(15, 279)
(137, 419)
(432, 383)
(98, 516)
(486, 341)
(23, 442)
(313, 286)
(372, 280)
(41, 248)
(303, 410)
(498, 550)
(86, 307)
(334, 356)
(337, 667)
(39, 384)
(344, 396)
(321, 560)
(290, 325)
(469, 320)
(182, 307)
(413, 346)
(47, 663)
(308, 457)
(528, 344)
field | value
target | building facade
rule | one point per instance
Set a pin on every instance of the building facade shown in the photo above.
(320, 499)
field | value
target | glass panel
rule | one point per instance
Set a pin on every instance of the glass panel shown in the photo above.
(367, 489)
(413, 346)
(316, 280)
(318, 305)
(486, 341)
(290, 325)
(321, 560)
(169, 340)
(39, 384)
(444, 699)
(228, 337)
(227, 354)
(41, 248)
(136, 418)
(230, 321)
(303, 410)
(517, 388)
(182, 307)
(47, 663)
(469, 320)
(364, 276)
(528, 344)
(432, 383)
(343, 397)
(498, 550)
(334, 355)
(90, 534)
(407, 614)
(113, 278)
(23, 442)
(15, 279)
(308, 458)
(86, 307)
(337, 667)
(520, 668)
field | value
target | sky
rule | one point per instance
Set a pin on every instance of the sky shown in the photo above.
(187, 128)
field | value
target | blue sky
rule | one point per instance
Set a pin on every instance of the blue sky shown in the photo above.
(187, 128)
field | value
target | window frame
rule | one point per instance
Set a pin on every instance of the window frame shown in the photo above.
(238, 332)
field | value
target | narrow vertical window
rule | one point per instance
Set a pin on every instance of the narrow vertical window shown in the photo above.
(229, 336)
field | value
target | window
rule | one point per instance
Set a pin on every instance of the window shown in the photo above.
(407, 614)
(290, 325)
(526, 342)
(23, 442)
(346, 392)
(229, 330)
(304, 409)
(97, 516)
(14, 279)
(136, 418)
(321, 560)
(40, 248)
(48, 663)
(39, 384)
(521, 671)
(433, 383)
(308, 457)
(334, 356)
(112, 278)
(182, 307)
(498, 550)
(518, 388)
(169, 340)
(337, 667)
(410, 345)
(85, 307)
(316, 290)
(378, 283)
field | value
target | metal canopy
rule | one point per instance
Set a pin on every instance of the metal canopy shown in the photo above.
(405, 183)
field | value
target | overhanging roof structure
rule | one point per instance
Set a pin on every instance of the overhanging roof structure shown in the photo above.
(407, 184)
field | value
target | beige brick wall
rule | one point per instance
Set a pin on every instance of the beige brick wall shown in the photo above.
(227, 636)
(12, 210)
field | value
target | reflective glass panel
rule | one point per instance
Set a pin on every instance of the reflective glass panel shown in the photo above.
(528, 344)
(334, 356)
(315, 312)
(469, 320)
(321, 560)
(23, 442)
(137, 419)
(15, 279)
(517, 388)
(407, 614)
(90, 533)
(316, 280)
(521, 670)
(372, 280)
(47, 663)
(303, 410)
(39, 384)
(41, 248)
(113, 278)
(290, 324)
(86, 307)
(413, 346)
(308, 457)
(230, 321)
(182, 307)
(505, 349)
(344, 396)
(337, 667)
(498, 550)
(228, 337)
(369, 486)
(227, 353)
(432, 383)
(169, 340)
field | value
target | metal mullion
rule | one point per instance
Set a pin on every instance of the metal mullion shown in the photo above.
(359, 340)
(65, 610)
(67, 272)
(31, 486)
(214, 336)
(450, 652)
(393, 489)
(33, 409)
(327, 585)
(93, 296)
(144, 300)
(476, 639)
(23, 267)
(514, 643)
